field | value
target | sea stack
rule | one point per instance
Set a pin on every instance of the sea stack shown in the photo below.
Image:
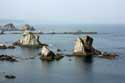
(29, 39)
(83, 47)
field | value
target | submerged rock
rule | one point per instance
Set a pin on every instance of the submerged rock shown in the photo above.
(107, 55)
(10, 76)
(7, 58)
(29, 39)
(47, 54)
(11, 47)
(83, 47)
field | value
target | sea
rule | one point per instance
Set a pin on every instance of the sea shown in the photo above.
(109, 38)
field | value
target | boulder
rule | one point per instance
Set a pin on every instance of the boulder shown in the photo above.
(47, 54)
(83, 47)
(27, 27)
(29, 39)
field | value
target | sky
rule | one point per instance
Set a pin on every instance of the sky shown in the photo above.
(64, 11)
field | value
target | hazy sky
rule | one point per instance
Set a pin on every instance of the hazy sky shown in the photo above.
(72, 11)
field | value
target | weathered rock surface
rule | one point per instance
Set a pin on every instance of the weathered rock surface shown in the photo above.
(29, 39)
(47, 54)
(27, 27)
(83, 47)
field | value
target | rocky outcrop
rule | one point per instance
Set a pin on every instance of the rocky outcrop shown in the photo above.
(83, 47)
(8, 27)
(27, 27)
(29, 39)
(107, 55)
(7, 58)
(48, 55)
(3, 46)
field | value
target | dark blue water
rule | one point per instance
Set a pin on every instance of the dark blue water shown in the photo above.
(69, 69)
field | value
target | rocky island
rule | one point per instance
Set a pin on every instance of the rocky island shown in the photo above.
(29, 39)
(8, 27)
(83, 47)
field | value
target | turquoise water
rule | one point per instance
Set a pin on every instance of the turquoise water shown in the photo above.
(69, 69)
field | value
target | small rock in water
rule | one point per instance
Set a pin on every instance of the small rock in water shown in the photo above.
(11, 47)
(70, 59)
(108, 55)
(2, 46)
(10, 76)
(7, 58)
(58, 50)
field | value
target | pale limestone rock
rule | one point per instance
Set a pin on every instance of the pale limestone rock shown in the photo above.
(45, 51)
(47, 54)
(29, 39)
(83, 46)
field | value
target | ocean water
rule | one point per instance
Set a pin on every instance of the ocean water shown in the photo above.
(110, 38)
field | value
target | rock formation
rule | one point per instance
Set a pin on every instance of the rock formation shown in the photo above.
(4, 46)
(1, 32)
(8, 27)
(47, 54)
(29, 39)
(27, 27)
(83, 47)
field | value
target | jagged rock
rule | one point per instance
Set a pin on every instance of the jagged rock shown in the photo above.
(27, 27)
(29, 39)
(83, 47)
(49, 55)
(8, 27)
